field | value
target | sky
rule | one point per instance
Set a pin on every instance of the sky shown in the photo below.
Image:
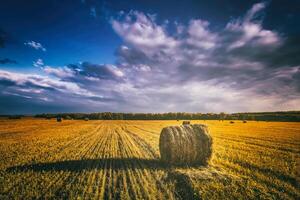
(149, 56)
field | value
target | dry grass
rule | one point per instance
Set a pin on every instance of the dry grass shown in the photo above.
(120, 159)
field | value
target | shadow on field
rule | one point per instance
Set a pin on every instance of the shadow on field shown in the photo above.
(90, 164)
(182, 182)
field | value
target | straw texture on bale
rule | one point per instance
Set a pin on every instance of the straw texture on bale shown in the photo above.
(186, 144)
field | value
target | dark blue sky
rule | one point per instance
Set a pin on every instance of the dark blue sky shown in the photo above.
(135, 56)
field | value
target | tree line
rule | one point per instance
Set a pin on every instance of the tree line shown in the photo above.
(258, 116)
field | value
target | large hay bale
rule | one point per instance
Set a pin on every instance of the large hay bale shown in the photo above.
(186, 144)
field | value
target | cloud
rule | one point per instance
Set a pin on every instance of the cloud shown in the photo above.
(250, 31)
(38, 63)
(86, 70)
(38, 82)
(98, 79)
(60, 72)
(256, 8)
(200, 36)
(7, 61)
(140, 31)
(105, 71)
(49, 91)
(35, 45)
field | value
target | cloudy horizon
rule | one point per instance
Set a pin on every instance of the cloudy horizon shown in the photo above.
(121, 58)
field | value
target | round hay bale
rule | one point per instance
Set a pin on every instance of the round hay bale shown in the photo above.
(186, 144)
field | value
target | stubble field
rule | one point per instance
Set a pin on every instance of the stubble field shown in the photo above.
(120, 160)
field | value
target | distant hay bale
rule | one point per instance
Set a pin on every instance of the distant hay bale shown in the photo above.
(186, 122)
(187, 144)
(244, 121)
(231, 122)
(58, 119)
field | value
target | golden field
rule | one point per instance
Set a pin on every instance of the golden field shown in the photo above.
(120, 160)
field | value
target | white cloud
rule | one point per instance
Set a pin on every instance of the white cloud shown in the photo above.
(256, 8)
(200, 36)
(32, 81)
(142, 67)
(38, 63)
(251, 31)
(35, 45)
(59, 72)
(141, 31)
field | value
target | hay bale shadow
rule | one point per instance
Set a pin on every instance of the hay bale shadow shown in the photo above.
(183, 185)
(90, 164)
(101, 163)
(185, 180)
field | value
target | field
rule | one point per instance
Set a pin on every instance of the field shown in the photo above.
(120, 159)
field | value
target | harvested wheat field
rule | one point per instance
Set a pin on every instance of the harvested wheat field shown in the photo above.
(121, 160)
